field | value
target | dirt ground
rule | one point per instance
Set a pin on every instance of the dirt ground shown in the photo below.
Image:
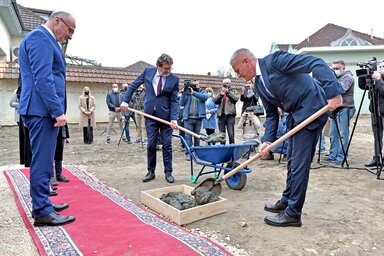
(343, 212)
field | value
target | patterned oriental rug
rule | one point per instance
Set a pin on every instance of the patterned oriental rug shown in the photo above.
(106, 222)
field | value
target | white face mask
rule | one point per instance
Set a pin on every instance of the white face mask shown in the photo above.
(382, 72)
(115, 89)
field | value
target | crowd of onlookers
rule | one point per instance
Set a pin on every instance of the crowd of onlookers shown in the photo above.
(201, 110)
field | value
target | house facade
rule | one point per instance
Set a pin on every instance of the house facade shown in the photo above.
(16, 21)
(332, 43)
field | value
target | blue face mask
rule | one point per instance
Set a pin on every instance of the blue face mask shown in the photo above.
(337, 73)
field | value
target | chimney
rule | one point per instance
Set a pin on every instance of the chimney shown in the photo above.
(371, 33)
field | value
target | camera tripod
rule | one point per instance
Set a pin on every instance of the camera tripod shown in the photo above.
(344, 150)
(376, 132)
(377, 128)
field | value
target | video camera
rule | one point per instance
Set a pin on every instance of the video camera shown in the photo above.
(365, 72)
(189, 84)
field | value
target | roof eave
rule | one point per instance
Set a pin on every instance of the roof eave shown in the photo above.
(305, 50)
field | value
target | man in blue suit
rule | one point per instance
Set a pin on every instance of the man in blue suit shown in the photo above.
(161, 100)
(283, 81)
(42, 107)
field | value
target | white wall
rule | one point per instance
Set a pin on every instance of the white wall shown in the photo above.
(4, 41)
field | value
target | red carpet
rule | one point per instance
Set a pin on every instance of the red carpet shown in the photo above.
(106, 222)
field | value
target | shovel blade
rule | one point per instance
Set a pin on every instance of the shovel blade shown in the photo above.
(208, 190)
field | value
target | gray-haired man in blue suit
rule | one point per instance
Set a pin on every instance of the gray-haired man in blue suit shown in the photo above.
(283, 81)
(42, 107)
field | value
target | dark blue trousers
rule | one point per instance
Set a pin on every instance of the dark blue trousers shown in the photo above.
(301, 149)
(43, 136)
(155, 128)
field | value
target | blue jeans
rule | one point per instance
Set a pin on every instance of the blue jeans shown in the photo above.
(336, 149)
(126, 125)
(193, 125)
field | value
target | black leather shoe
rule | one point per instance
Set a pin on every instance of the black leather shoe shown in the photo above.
(150, 176)
(53, 193)
(53, 219)
(62, 178)
(283, 220)
(60, 207)
(169, 178)
(276, 208)
(53, 181)
(373, 163)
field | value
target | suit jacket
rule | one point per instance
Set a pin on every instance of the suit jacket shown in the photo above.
(42, 69)
(111, 100)
(286, 76)
(166, 103)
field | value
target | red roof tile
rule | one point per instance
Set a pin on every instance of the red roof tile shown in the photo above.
(109, 75)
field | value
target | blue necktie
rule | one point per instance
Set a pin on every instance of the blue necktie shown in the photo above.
(261, 85)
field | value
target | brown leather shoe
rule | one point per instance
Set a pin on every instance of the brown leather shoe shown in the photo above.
(53, 219)
(283, 220)
(276, 208)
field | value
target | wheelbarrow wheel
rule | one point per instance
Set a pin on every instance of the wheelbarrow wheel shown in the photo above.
(236, 181)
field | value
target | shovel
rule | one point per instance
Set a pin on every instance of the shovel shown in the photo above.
(214, 185)
(166, 122)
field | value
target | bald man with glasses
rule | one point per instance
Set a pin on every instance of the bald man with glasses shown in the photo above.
(43, 106)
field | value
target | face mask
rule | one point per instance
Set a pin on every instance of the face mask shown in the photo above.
(115, 89)
(86, 93)
(337, 73)
(382, 72)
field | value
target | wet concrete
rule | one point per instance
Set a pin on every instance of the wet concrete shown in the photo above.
(179, 200)
(182, 201)
(205, 195)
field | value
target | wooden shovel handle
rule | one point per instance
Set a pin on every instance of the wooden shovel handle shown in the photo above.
(278, 141)
(163, 121)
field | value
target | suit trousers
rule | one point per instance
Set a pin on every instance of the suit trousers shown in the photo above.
(155, 128)
(43, 136)
(301, 149)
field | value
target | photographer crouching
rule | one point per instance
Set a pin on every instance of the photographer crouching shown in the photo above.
(378, 107)
(193, 100)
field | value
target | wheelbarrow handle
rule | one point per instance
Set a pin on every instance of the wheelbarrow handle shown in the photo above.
(164, 122)
(278, 141)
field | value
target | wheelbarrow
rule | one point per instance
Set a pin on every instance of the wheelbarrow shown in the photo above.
(220, 158)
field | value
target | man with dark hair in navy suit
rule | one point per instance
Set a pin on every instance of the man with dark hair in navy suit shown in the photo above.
(42, 107)
(161, 100)
(283, 80)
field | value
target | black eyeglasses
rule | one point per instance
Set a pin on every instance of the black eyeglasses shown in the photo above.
(71, 30)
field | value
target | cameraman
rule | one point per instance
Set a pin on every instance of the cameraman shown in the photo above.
(193, 100)
(342, 115)
(378, 76)
(226, 111)
(248, 96)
